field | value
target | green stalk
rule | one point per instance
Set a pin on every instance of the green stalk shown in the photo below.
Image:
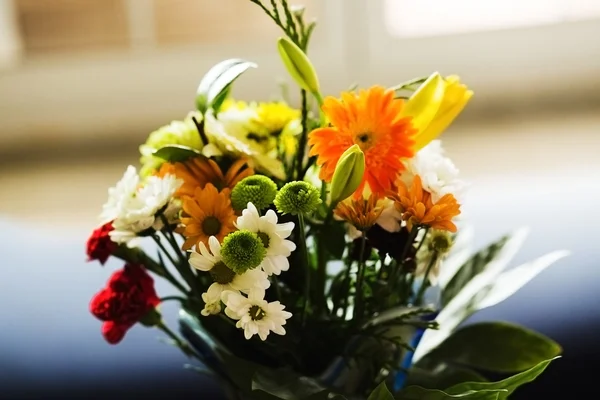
(303, 137)
(396, 272)
(360, 277)
(424, 284)
(183, 346)
(304, 252)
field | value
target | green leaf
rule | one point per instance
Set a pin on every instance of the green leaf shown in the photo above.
(221, 98)
(381, 392)
(441, 376)
(465, 302)
(218, 80)
(508, 384)
(471, 268)
(177, 153)
(419, 393)
(285, 384)
(496, 346)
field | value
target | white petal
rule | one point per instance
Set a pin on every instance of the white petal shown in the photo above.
(215, 246)
(284, 230)
(255, 295)
(270, 217)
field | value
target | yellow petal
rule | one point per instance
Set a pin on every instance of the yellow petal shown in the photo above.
(424, 104)
(456, 97)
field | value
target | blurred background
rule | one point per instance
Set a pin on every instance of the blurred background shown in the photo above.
(83, 82)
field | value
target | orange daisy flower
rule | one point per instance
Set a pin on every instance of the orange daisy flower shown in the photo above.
(372, 120)
(362, 213)
(199, 171)
(207, 213)
(416, 207)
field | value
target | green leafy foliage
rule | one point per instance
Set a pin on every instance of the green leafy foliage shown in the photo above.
(442, 376)
(177, 153)
(419, 393)
(381, 392)
(214, 86)
(496, 346)
(508, 384)
(471, 268)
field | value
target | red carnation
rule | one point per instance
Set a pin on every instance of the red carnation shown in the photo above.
(99, 245)
(128, 298)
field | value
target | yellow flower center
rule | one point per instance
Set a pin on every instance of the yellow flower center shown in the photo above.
(211, 226)
(256, 313)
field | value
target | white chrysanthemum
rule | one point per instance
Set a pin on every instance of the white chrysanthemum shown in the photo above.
(119, 194)
(439, 175)
(273, 236)
(212, 301)
(224, 277)
(134, 209)
(229, 144)
(254, 314)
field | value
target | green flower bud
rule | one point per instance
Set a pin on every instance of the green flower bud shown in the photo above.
(297, 198)
(242, 251)
(348, 174)
(256, 189)
(298, 66)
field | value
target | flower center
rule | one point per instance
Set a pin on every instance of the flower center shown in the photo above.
(264, 238)
(211, 226)
(256, 313)
(221, 273)
(364, 140)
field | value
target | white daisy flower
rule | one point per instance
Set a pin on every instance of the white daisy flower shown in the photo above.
(272, 235)
(225, 279)
(438, 173)
(119, 194)
(254, 314)
(134, 209)
(212, 301)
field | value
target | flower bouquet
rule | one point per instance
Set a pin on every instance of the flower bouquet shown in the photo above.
(315, 251)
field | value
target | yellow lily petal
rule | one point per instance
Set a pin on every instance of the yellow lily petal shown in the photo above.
(424, 104)
(456, 96)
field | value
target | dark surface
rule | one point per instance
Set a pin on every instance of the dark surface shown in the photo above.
(50, 347)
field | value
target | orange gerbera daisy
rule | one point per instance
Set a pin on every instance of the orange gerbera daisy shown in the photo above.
(207, 213)
(416, 207)
(199, 171)
(372, 120)
(362, 213)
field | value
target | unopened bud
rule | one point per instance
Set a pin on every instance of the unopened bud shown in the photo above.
(348, 174)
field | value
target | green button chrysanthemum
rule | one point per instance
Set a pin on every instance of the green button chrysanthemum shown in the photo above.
(256, 189)
(242, 250)
(297, 198)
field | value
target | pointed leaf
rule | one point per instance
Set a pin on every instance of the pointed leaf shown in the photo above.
(285, 384)
(176, 153)
(464, 303)
(217, 80)
(509, 282)
(508, 384)
(381, 392)
(496, 346)
(419, 393)
(441, 376)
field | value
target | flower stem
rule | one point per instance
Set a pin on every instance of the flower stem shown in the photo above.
(402, 260)
(303, 137)
(360, 277)
(304, 253)
(174, 298)
(421, 292)
(183, 346)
